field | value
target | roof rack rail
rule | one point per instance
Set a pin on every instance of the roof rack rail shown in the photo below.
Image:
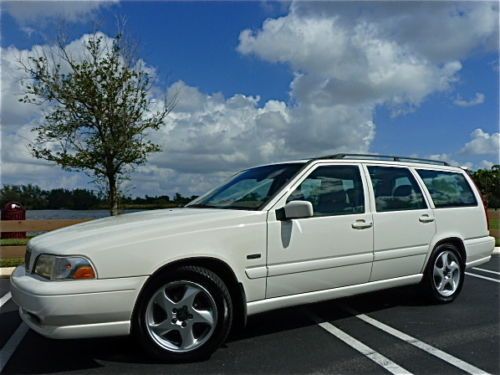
(383, 157)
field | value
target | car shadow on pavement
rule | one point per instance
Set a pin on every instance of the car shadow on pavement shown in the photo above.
(297, 316)
(49, 356)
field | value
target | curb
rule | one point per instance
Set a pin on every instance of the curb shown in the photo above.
(5, 272)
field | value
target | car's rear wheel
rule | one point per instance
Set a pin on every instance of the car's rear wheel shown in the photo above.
(184, 315)
(444, 276)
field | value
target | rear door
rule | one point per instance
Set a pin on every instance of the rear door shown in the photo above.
(403, 221)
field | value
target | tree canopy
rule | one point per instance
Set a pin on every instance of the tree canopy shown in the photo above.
(488, 181)
(100, 110)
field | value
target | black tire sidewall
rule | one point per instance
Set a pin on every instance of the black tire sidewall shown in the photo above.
(219, 292)
(431, 290)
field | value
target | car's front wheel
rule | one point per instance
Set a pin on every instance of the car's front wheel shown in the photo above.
(183, 315)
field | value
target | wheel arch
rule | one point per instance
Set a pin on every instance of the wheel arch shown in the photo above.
(219, 267)
(454, 240)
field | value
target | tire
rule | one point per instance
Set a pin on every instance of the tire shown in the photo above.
(444, 274)
(183, 315)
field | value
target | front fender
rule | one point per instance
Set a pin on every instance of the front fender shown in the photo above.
(230, 243)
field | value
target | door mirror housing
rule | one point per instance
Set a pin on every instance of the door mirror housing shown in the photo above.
(295, 210)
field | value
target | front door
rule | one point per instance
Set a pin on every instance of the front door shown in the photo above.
(334, 248)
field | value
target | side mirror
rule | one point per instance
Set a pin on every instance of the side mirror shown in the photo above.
(295, 210)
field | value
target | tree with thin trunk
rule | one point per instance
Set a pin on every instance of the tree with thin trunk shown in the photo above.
(99, 111)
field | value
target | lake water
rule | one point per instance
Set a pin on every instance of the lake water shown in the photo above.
(69, 214)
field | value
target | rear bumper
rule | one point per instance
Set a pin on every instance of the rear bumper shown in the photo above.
(75, 309)
(479, 250)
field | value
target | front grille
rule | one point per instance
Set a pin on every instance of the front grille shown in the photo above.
(27, 257)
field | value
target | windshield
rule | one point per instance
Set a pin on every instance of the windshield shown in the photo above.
(250, 189)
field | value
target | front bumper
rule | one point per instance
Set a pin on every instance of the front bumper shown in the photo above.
(75, 309)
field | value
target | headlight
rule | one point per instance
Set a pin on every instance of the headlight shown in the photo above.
(64, 268)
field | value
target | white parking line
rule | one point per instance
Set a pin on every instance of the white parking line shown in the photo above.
(482, 277)
(488, 271)
(462, 365)
(5, 299)
(376, 357)
(10, 347)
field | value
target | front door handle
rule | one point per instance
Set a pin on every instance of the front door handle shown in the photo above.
(362, 224)
(426, 219)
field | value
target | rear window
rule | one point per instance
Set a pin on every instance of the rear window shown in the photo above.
(395, 189)
(448, 189)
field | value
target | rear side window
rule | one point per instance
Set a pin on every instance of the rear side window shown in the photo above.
(395, 189)
(332, 190)
(448, 189)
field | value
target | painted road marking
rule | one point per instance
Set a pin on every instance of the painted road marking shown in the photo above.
(10, 347)
(462, 365)
(371, 354)
(488, 271)
(482, 277)
(5, 299)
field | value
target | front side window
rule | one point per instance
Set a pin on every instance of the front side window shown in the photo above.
(332, 190)
(448, 189)
(250, 189)
(395, 189)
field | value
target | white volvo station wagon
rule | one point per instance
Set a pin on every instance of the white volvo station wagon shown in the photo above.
(272, 236)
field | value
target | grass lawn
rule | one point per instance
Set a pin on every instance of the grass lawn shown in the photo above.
(494, 219)
(11, 262)
(14, 241)
(495, 222)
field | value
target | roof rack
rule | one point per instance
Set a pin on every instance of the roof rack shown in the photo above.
(382, 157)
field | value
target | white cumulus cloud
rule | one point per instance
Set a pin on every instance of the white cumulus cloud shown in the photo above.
(449, 158)
(372, 53)
(485, 164)
(477, 99)
(482, 143)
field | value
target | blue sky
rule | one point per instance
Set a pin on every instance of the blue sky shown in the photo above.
(440, 126)
(190, 41)
(262, 81)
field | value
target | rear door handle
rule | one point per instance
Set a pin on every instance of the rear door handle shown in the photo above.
(362, 224)
(426, 219)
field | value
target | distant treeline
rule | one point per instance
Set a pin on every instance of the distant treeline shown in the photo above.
(34, 198)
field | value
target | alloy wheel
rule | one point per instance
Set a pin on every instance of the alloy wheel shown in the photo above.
(181, 316)
(446, 273)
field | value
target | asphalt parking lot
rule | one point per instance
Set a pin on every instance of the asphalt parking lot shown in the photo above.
(393, 331)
